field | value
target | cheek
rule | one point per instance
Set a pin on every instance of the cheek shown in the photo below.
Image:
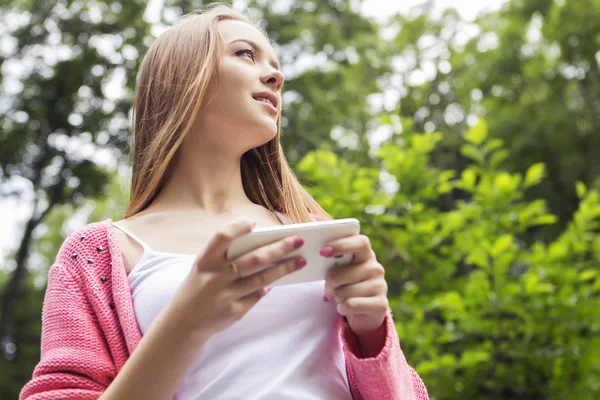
(238, 74)
(234, 90)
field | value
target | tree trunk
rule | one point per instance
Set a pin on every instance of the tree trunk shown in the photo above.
(11, 293)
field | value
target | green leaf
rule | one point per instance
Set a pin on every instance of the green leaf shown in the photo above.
(502, 244)
(472, 152)
(479, 257)
(534, 175)
(452, 304)
(588, 275)
(505, 182)
(498, 158)
(531, 281)
(472, 357)
(477, 134)
(425, 143)
(546, 288)
(468, 178)
(493, 144)
(547, 219)
(477, 288)
(581, 189)
(533, 285)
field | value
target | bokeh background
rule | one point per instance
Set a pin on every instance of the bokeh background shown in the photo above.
(466, 138)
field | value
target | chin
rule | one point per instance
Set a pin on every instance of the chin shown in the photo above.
(264, 134)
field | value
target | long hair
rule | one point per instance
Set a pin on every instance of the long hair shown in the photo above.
(171, 85)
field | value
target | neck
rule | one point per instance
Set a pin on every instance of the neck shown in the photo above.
(204, 182)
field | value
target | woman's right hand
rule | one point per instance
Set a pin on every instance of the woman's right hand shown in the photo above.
(213, 296)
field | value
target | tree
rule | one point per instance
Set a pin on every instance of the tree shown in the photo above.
(532, 70)
(59, 110)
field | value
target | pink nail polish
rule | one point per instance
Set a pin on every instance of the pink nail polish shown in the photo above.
(326, 251)
(300, 262)
(298, 242)
(325, 299)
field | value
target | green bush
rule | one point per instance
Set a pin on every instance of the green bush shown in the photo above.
(485, 307)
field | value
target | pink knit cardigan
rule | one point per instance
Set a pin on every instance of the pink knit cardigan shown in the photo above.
(89, 330)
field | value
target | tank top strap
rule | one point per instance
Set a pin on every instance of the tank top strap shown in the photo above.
(132, 235)
(282, 218)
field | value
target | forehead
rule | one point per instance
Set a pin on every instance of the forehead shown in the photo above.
(233, 30)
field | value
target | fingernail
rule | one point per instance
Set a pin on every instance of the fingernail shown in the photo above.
(325, 298)
(326, 251)
(300, 262)
(298, 242)
(269, 289)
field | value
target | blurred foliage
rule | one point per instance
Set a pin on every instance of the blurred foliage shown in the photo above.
(531, 69)
(481, 313)
(16, 370)
(488, 230)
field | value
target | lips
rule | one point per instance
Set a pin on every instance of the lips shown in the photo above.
(267, 97)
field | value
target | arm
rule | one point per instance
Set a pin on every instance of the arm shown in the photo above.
(375, 363)
(384, 375)
(158, 364)
(75, 363)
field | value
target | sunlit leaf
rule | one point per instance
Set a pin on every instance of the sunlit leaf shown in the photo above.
(534, 175)
(477, 134)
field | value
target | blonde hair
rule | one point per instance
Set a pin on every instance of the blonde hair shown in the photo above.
(170, 89)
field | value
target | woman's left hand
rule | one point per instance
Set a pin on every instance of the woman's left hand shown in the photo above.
(359, 289)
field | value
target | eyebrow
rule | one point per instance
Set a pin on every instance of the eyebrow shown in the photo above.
(258, 49)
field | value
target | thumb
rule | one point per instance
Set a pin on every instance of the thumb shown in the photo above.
(216, 250)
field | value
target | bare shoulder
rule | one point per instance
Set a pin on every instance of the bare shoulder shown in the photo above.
(131, 250)
(160, 232)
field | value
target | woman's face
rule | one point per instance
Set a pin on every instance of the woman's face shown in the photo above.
(241, 111)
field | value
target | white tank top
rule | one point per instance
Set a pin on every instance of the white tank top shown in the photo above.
(288, 346)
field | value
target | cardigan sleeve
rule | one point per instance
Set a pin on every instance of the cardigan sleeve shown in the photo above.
(385, 376)
(75, 362)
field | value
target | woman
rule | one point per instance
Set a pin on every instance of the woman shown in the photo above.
(149, 308)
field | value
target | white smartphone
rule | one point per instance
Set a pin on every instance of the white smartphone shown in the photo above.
(316, 235)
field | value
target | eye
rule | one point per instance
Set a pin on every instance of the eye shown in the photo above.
(247, 52)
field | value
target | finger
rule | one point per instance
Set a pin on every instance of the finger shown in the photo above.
(265, 278)
(358, 245)
(351, 274)
(216, 250)
(256, 260)
(245, 304)
(355, 306)
(368, 288)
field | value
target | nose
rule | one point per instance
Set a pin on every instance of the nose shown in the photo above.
(273, 78)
